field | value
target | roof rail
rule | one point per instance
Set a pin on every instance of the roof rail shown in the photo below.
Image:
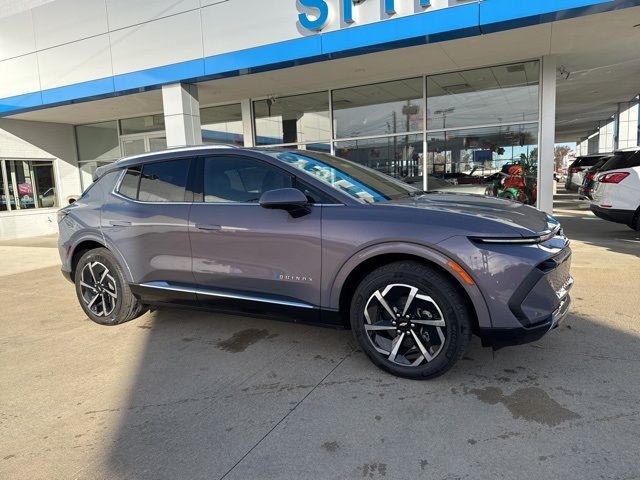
(190, 148)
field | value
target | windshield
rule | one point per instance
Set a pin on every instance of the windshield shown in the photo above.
(357, 181)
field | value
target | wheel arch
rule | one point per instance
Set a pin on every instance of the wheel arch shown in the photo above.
(91, 243)
(364, 262)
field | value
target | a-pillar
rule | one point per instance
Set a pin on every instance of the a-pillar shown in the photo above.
(181, 114)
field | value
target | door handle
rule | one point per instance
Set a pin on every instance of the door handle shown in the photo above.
(118, 223)
(208, 228)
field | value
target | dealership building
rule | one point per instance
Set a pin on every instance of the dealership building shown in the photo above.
(442, 94)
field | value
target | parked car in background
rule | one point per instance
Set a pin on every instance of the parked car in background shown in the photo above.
(585, 190)
(577, 170)
(48, 198)
(616, 194)
(311, 237)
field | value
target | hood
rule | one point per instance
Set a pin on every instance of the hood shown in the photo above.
(525, 220)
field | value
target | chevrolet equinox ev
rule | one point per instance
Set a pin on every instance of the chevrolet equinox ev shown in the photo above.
(314, 238)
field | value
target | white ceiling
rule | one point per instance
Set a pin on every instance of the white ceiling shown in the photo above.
(600, 51)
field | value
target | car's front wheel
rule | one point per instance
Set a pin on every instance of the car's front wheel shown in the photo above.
(411, 320)
(103, 291)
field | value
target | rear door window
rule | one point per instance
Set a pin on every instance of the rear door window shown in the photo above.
(164, 181)
(156, 182)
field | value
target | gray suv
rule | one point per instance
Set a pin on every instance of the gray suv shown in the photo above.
(315, 238)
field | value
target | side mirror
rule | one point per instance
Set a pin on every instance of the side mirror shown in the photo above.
(290, 199)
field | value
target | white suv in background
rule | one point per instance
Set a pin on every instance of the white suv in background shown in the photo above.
(616, 194)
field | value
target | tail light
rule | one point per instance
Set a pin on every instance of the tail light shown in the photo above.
(615, 177)
(590, 176)
(575, 169)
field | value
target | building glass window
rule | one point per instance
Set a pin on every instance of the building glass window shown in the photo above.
(28, 184)
(98, 144)
(290, 120)
(399, 156)
(87, 170)
(379, 109)
(497, 161)
(486, 96)
(222, 124)
(4, 188)
(148, 123)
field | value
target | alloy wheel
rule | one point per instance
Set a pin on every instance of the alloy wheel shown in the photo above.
(98, 289)
(405, 325)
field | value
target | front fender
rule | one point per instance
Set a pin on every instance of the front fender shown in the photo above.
(416, 250)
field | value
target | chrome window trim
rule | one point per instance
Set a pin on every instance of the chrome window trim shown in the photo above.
(219, 294)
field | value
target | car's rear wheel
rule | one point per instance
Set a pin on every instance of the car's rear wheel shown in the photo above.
(411, 320)
(103, 291)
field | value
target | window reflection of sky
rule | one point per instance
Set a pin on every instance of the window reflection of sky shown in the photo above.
(332, 176)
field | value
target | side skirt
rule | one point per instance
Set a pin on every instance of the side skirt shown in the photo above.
(235, 303)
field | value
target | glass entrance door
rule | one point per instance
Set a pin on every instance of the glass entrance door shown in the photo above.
(136, 144)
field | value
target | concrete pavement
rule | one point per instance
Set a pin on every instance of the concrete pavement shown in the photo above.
(180, 394)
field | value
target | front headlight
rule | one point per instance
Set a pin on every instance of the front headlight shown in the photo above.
(539, 238)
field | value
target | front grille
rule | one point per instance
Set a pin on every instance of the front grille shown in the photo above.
(559, 276)
(534, 301)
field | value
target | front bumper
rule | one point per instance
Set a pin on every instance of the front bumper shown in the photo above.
(539, 304)
(505, 337)
(613, 215)
(66, 275)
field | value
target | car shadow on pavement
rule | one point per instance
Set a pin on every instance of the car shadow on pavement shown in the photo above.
(231, 397)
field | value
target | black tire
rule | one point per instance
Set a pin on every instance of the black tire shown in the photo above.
(429, 282)
(508, 196)
(635, 223)
(107, 309)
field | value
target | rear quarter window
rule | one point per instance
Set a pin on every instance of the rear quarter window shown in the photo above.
(623, 160)
(129, 183)
(587, 161)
